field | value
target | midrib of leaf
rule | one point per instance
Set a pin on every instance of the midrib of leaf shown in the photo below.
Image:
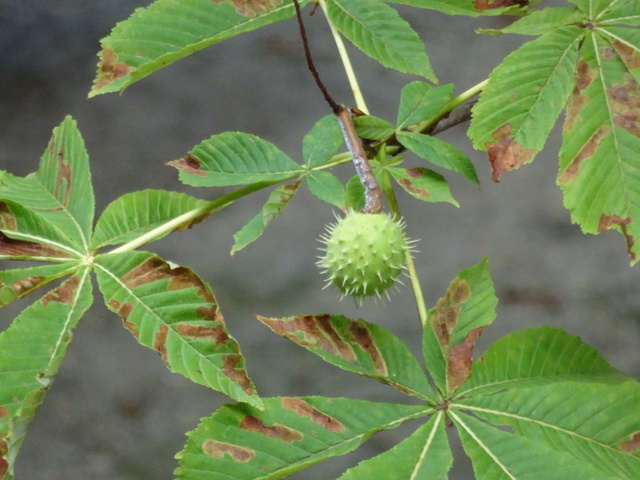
(34, 238)
(614, 129)
(501, 413)
(427, 445)
(65, 330)
(481, 443)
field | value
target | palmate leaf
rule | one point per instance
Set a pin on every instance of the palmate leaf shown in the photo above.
(239, 442)
(59, 193)
(537, 356)
(235, 158)
(277, 201)
(498, 455)
(135, 214)
(356, 346)
(31, 350)
(523, 99)
(599, 170)
(378, 30)
(456, 323)
(424, 454)
(596, 423)
(171, 310)
(168, 30)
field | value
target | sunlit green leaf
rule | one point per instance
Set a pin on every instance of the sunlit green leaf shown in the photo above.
(135, 214)
(424, 454)
(322, 142)
(623, 11)
(355, 193)
(596, 423)
(537, 356)
(439, 153)
(235, 158)
(419, 102)
(171, 310)
(542, 21)
(277, 201)
(523, 99)
(456, 322)
(239, 442)
(378, 30)
(472, 8)
(356, 346)
(168, 30)
(498, 455)
(373, 128)
(31, 350)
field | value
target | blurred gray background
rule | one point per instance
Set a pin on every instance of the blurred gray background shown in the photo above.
(115, 412)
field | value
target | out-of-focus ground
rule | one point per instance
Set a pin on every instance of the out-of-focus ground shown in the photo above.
(115, 412)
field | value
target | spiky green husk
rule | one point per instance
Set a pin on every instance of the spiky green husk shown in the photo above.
(364, 253)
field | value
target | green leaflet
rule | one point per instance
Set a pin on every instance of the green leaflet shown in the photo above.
(322, 142)
(423, 184)
(377, 30)
(326, 187)
(373, 128)
(472, 8)
(171, 310)
(137, 213)
(356, 346)
(420, 102)
(239, 442)
(17, 283)
(542, 21)
(31, 351)
(168, 30)
(277, 201)
(455, 324)
(424, 454)
(60, 192)
(523, 99)
(496, 454)
(235, 158)
(439, 153)
(537, 356)
(596, 423)
(600, 154)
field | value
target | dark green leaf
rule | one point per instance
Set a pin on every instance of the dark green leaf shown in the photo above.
(326, 187)
(420, 102)
(373, 128)
(323, 141)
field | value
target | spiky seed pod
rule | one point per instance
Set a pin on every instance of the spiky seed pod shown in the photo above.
(364, 253)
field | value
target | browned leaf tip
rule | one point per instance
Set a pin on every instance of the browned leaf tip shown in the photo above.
(483, 5)
(189, 164)
(461, 358)
(303, 409)
(64, 294)
(608, 222)
(109, 69)
(280, 432)
(505, 153)
(235, 374)
(632, 444)
(217, 449)
(361, 335)
(447, 312)
(251, 8)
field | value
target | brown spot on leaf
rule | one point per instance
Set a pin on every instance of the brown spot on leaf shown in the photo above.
(4, 466)
(13, 247)
(608, 222)
(109, 69)
(631, 445)
(625, 103)
(447, 312)
(4, 411)
(583, 76)
(189, 164)
(576, 104)
(251, 8)
(588, 149)
(64, 294)
(627, 54)
(483, 5)
(416, 172)
(124, 310)
(317, 332)
(238, 375)
(460, 359)
(26, 285)
(216, 449)
(217, 333)
(280, 432)
(362, 336)
(505, 153)
(160, 342)
(607, 53)
(303, 409)
(63, 179)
